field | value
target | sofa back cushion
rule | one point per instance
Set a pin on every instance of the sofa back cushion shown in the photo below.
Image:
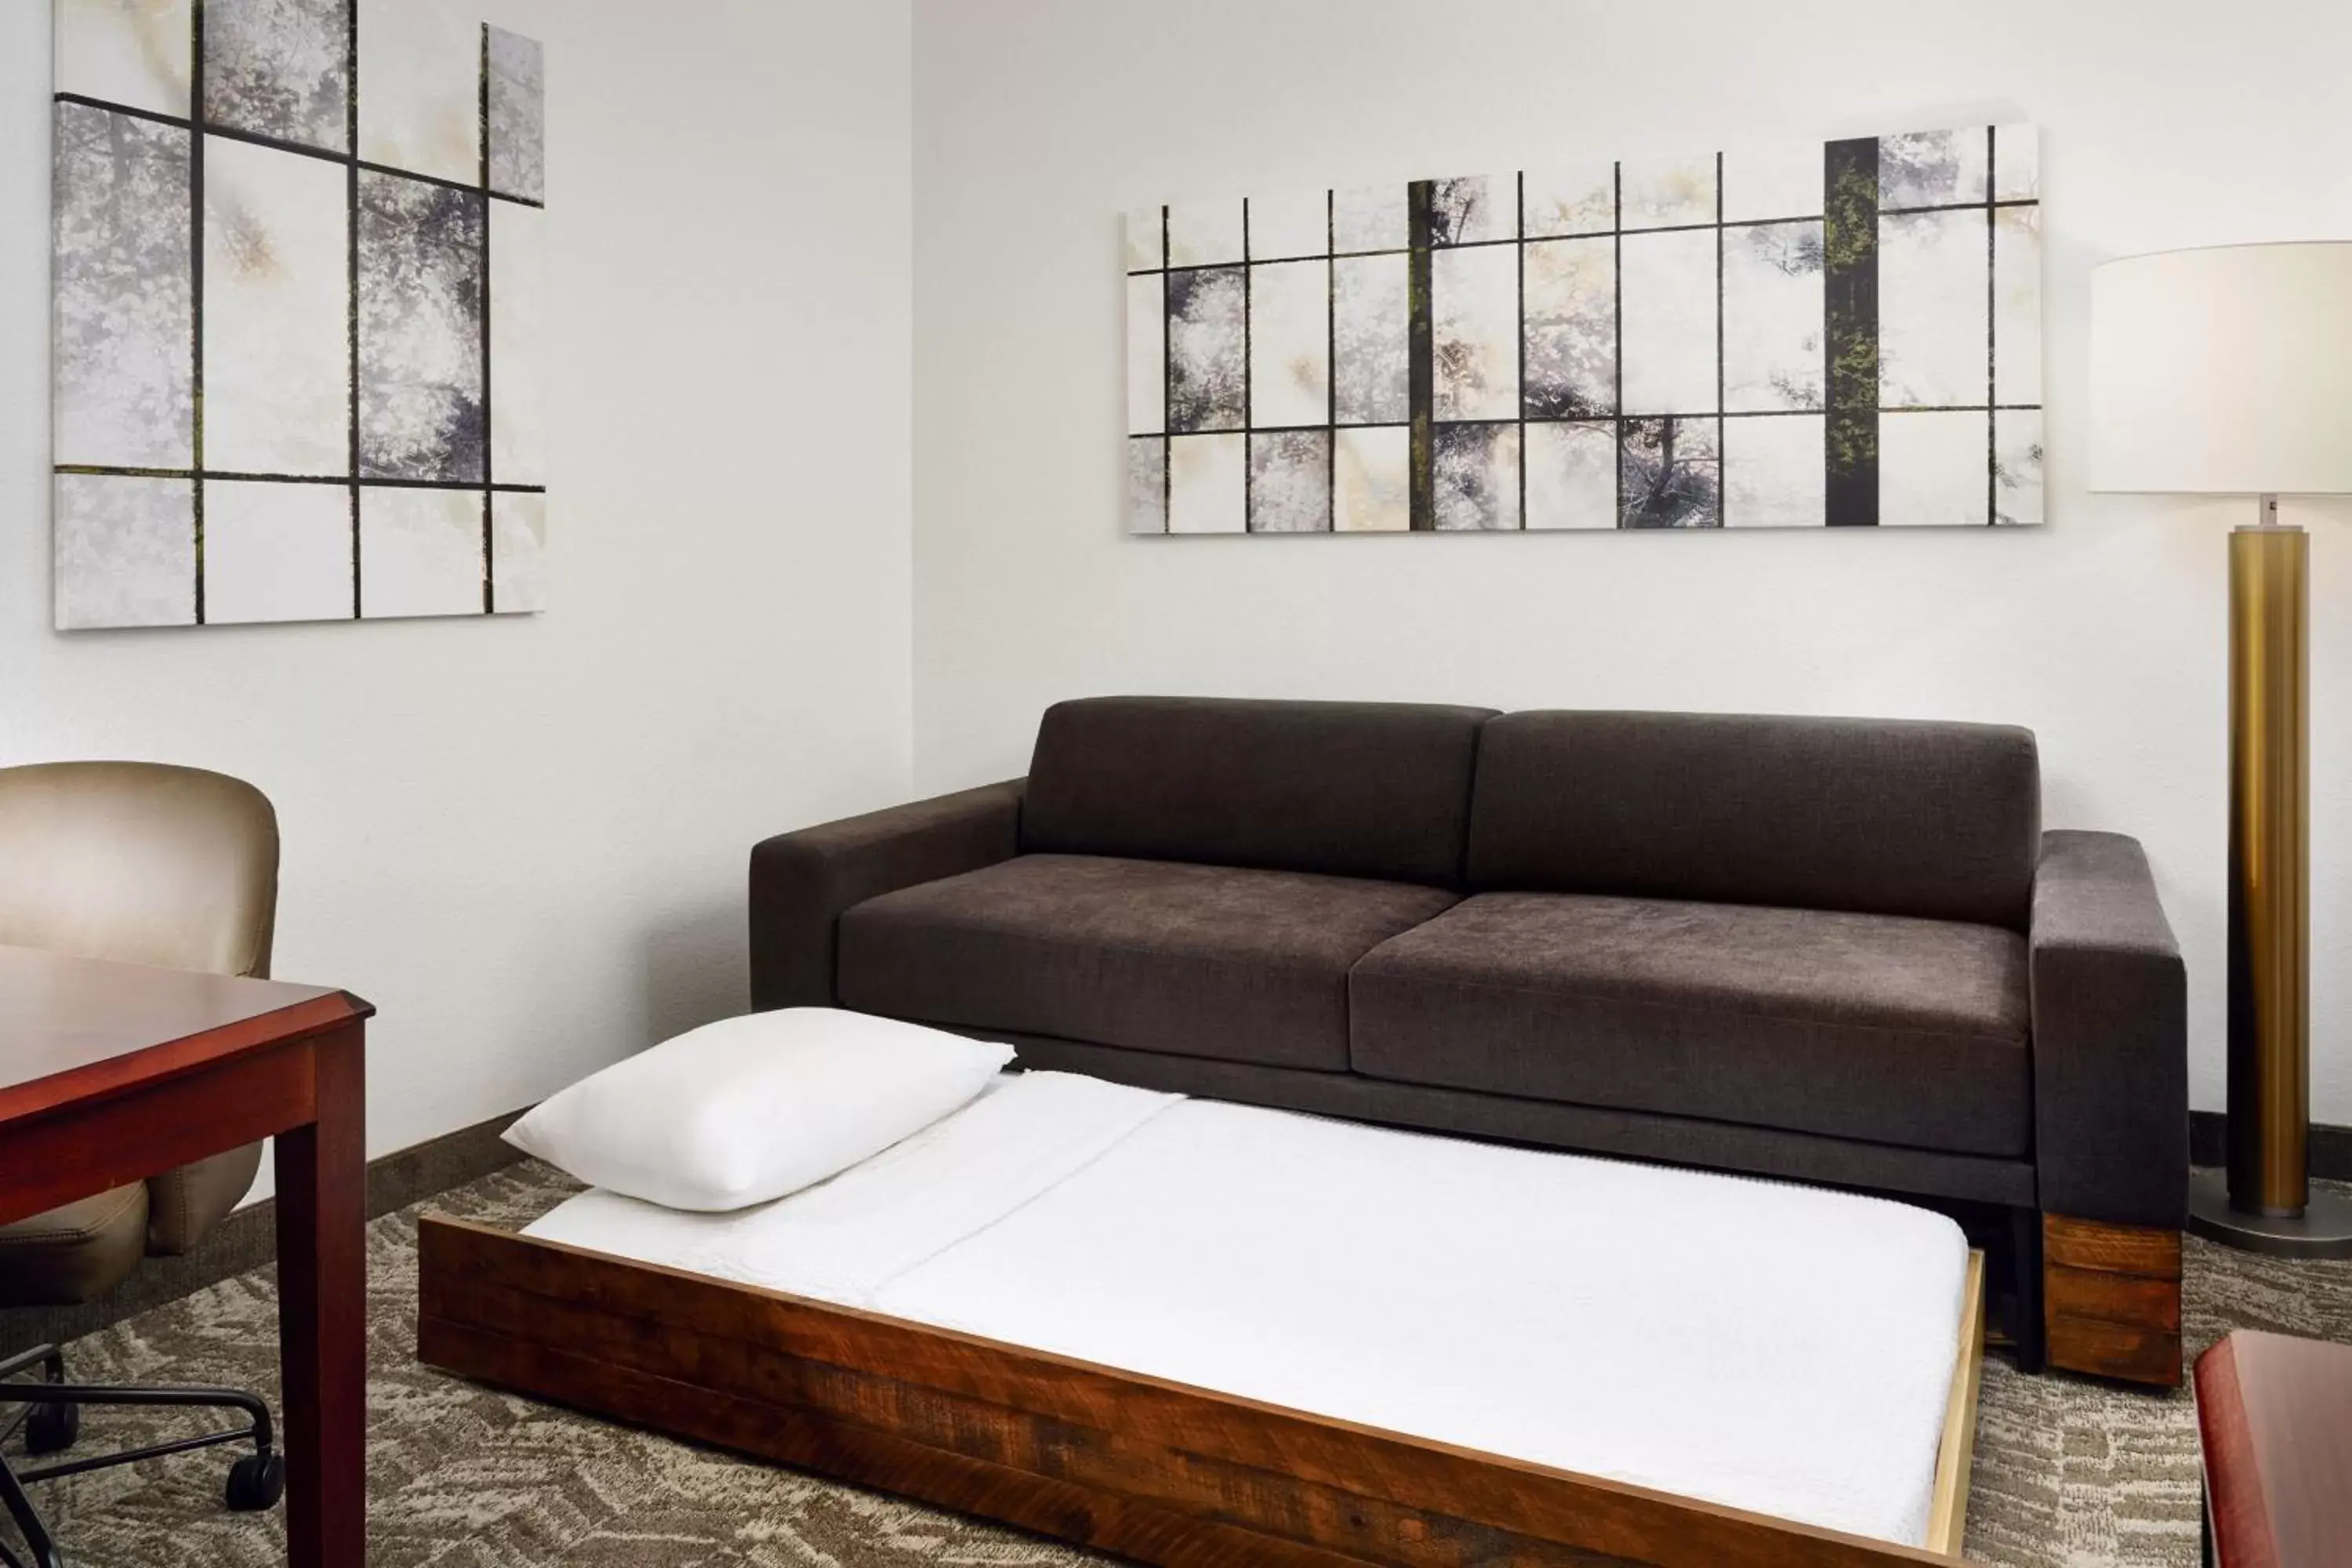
(1881, 815)
(1355, 789)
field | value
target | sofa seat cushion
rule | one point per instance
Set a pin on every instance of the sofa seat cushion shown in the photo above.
(1881, 1028)
(1203, 961)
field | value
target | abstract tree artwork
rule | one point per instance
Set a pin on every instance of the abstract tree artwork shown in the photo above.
(1841, 334)
(298, 299)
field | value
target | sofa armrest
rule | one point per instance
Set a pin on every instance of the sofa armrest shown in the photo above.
(2110, 1037)
(800, 882)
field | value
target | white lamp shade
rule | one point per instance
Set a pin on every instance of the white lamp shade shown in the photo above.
(2224, 371)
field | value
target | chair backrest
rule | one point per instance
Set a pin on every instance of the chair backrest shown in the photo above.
(1877, 815)
(1354, 789)
(139, 862)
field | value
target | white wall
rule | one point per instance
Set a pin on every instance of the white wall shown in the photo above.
(2178, 122)
(524, 839)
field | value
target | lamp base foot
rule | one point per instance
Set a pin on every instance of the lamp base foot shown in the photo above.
(2324, 1229)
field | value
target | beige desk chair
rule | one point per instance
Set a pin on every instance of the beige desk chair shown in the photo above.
(145, 864)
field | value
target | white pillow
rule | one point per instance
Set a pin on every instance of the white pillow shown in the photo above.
(746, 1109)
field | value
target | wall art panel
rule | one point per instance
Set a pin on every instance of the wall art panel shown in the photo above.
(126, 551)
(519, 549)
(421, 89)
(422, 358)
(1371, 480)
(122, 317)
(300, 313)
(279, 69)
(276, 551)
(276, 312)
(1372, 340)
(133, 53)
(519, 406)
(513, 114)
(420, 551)
(1840, 334)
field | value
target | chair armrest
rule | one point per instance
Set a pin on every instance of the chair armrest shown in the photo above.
(2110, 1037)
(800, 882)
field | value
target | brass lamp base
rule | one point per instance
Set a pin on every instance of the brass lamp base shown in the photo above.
(2266, 1204)
(2323, 1228)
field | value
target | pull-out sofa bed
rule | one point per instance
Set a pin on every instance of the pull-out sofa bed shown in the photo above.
(1136, 1299)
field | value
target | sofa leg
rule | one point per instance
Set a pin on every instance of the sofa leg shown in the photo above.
(2111, 1300)
(2025, 1320)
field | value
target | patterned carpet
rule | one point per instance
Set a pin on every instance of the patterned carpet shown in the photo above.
(2068, 1475)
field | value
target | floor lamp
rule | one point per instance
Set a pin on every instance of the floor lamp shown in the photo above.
(2228, 370)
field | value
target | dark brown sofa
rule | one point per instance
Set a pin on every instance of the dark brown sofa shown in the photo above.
(1836, 951)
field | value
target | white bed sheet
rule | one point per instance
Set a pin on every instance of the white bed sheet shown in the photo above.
(1771, 1347)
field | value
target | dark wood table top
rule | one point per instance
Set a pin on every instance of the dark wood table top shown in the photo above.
(2274, 1418)
(81, 1028)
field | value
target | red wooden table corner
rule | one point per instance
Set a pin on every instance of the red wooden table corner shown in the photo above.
(2274, 1426)
(111, 1072)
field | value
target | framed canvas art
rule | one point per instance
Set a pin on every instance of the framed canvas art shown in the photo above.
(299, 305)
(1841, 334)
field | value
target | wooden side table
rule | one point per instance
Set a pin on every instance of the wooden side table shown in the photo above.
(2274, 1420)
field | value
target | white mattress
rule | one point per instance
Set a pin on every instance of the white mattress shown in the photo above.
(1775, 1348)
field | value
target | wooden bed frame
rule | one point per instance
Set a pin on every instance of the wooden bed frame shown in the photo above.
(1151, 1470)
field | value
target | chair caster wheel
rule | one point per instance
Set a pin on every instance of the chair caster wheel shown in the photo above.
(257, 1482)
(52, 1428)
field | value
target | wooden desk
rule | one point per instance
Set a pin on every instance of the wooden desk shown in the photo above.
(112, 1072)
(2275, 1419)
